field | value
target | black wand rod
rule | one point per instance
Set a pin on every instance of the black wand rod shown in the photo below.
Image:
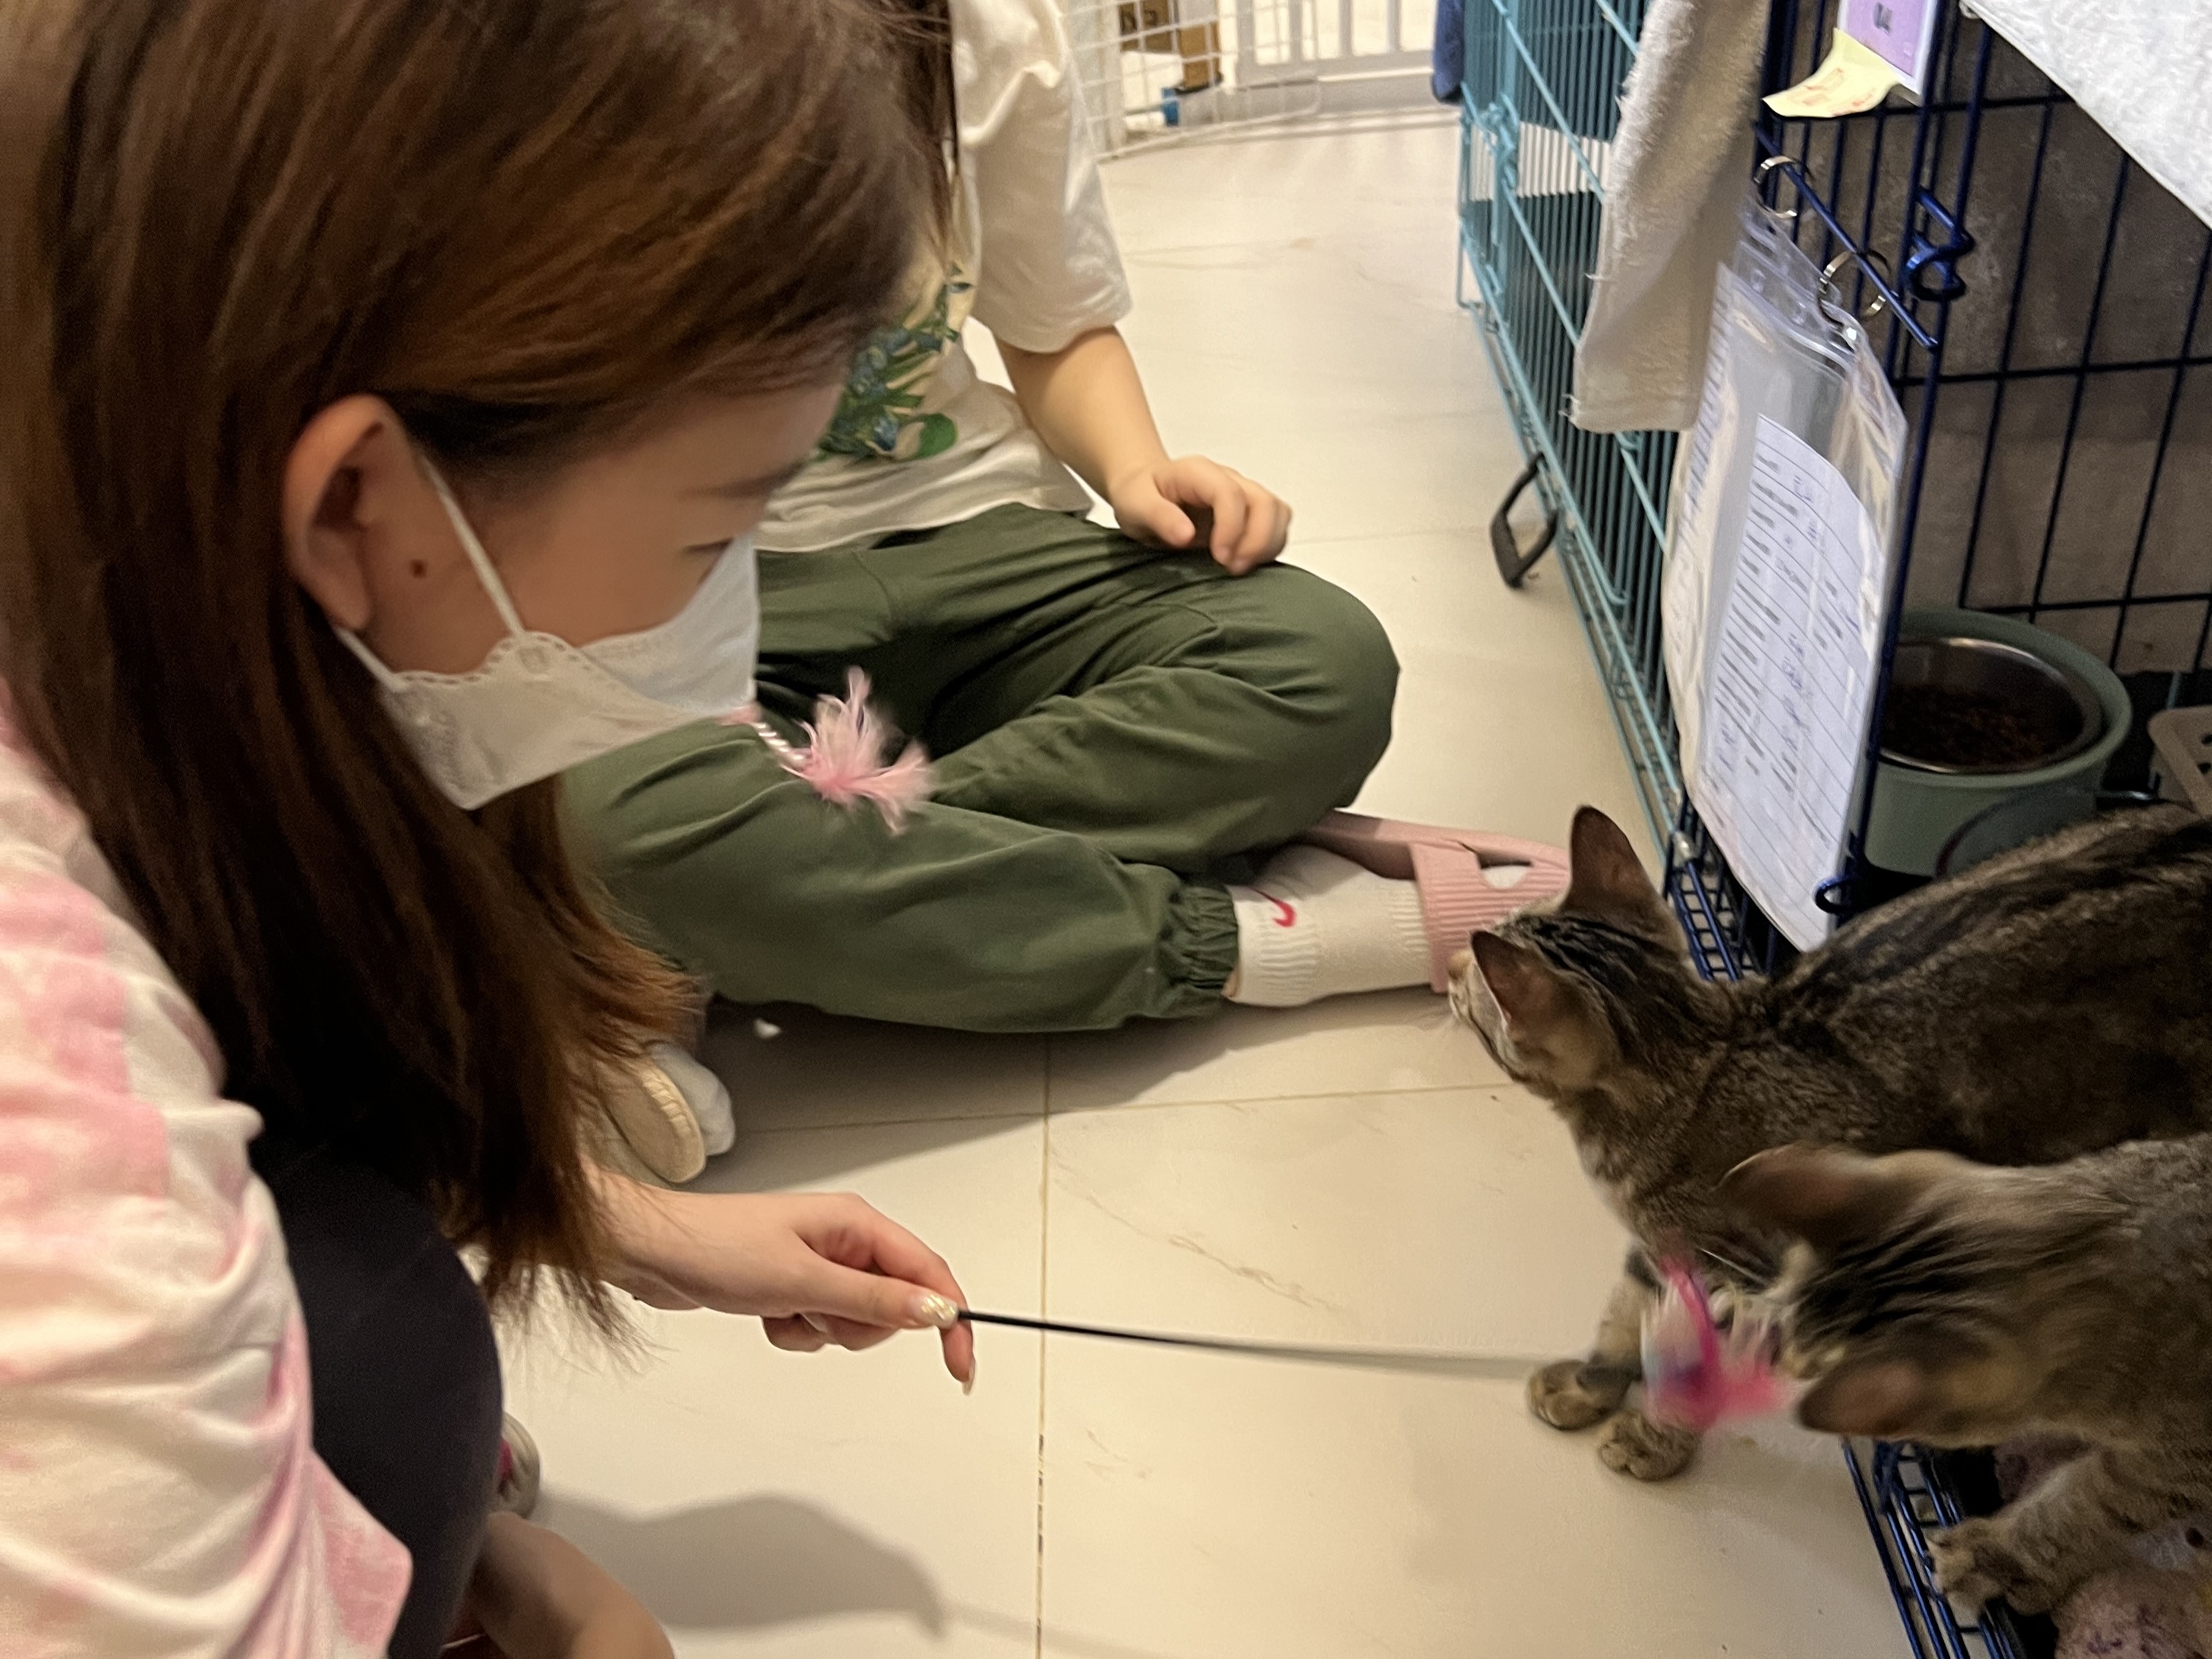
(1510, 1368)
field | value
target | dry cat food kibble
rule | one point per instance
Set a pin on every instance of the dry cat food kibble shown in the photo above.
(1940, 725)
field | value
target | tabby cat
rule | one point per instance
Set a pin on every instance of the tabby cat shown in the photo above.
(2053, 1001)
(1938, 1300)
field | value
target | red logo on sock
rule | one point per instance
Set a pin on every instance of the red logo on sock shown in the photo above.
(1285, 915)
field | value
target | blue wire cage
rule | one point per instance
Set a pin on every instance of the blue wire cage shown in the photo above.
(2041, 305)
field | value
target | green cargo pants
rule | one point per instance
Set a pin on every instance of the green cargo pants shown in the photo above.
(1112, 727)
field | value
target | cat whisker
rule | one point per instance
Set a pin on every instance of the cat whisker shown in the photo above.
(1736, 1267)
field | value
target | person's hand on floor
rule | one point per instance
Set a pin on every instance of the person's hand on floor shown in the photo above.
(816, 1269)
(1192, 502)
(536, 1596)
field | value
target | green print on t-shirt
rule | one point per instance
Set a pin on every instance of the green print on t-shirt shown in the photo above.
(881, 415)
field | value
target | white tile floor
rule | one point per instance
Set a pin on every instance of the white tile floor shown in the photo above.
(1356, 1172)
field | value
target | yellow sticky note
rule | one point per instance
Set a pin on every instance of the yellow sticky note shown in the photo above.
(1854, 78)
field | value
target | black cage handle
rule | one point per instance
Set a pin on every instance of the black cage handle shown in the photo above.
(1513, 564)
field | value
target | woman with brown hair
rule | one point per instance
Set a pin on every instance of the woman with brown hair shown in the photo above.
(389, 390)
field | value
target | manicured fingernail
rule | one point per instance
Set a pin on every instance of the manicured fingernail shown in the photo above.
(940, 1312)
(968, 1385)
(818, 1321)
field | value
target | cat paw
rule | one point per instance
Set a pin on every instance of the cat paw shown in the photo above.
(1573, 1393)
(1633, 1445)
(1975, 1562)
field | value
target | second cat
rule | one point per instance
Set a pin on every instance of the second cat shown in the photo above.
(1936, 1300)
(2050, 1002)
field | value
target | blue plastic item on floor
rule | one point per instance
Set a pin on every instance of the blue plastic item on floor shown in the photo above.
(1448, 66)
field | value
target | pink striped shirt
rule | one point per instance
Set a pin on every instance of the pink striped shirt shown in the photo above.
(158, 1489)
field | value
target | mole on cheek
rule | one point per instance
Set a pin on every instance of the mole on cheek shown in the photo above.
(419, 566)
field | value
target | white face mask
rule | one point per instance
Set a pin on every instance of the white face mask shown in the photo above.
(538, 705)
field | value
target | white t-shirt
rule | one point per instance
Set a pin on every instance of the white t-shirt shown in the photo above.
(919, 439)
(160, 1493)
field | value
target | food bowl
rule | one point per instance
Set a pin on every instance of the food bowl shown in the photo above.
(1987, 718)
(1974, 707)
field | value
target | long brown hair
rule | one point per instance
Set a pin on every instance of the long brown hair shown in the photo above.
(525, 223)
(924, 32)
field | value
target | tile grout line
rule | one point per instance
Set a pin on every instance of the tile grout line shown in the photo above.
(1473, 532)
(1012, 1115)
(1480, 1087)
(1044, 1259)
(1497, 1086)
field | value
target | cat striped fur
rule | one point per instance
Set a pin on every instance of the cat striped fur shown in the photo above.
(2052, 1002)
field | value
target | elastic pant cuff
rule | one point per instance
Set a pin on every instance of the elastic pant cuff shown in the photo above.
(1199, 946)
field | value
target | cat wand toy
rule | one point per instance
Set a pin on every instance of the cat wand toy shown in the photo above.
(1437, 1362)
(1695, 1376)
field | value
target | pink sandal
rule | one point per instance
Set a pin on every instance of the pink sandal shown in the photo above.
(1457, 899)
(515, 1489)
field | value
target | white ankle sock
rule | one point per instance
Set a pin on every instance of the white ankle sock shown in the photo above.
(1316, 926)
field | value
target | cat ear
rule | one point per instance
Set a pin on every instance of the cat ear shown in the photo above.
(1829, 1197)
(1820, 1195)
(1524, 989)
(1886, 1399)
(1605, 873)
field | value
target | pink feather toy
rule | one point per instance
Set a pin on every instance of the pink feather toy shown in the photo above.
(1695, 1375)
(843, 759)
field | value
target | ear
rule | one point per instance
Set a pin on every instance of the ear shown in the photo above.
(1525, 990)
(1811, 1193)
(1829, 1197)
(1886, 1399)
(1605, 873)
(350, 477)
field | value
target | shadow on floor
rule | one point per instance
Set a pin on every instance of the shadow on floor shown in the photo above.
(754, 1563)
(748, 1562)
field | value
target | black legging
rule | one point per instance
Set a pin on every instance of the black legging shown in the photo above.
(405, 1375)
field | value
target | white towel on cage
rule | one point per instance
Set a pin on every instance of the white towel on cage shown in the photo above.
(1674, 186)
(2139, 67)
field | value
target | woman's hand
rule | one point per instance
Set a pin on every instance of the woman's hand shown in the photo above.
(816, 1269)
(1192, 503)
(536, 1596)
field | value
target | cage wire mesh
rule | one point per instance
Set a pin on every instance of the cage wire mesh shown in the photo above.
(1157, 70)
(2064, 450)
(1542, 91)
(2042, 303)
(2044, 320)
(2045, 327)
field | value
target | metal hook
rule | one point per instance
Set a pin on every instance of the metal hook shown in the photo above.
(1872, 258)
(1932, 267)
(1758, 180)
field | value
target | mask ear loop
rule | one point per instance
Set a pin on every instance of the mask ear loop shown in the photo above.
(379, 671)
(480, 561)
(486, 574)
